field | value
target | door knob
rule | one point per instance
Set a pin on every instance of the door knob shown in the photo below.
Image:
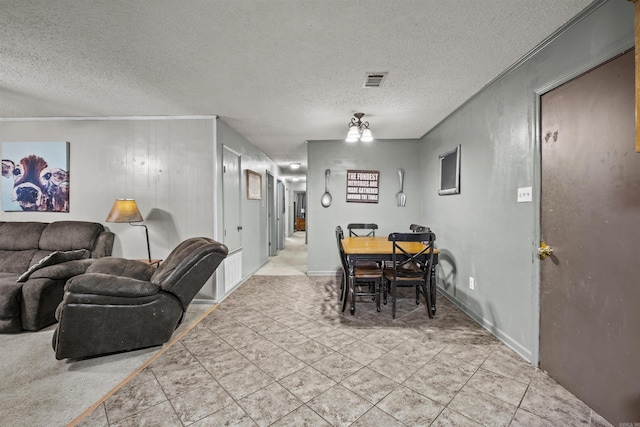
(544, 250)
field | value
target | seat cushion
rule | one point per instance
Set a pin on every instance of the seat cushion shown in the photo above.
(16, 262)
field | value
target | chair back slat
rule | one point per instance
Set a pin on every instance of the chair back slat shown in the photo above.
(362, 229)
(401, 258)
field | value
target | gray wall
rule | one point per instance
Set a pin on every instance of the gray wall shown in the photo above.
(159, 162)
(385, 156)
(254, 212)
(484, 232)
(170, 165)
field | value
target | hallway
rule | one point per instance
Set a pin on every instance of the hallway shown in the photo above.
(291, 261)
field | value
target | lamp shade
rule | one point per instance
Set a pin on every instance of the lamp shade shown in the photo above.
(366, 136)
(124, 210)
(354, 134)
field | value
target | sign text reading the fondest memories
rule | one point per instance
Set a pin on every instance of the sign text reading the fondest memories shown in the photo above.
(363, 186)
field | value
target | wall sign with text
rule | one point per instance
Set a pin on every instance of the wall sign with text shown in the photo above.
(363, 186)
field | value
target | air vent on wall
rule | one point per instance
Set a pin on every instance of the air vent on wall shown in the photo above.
(374, 79)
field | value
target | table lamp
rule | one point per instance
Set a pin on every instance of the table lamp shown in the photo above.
(126, 210)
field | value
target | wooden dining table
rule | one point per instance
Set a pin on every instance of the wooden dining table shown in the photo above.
(380, 249)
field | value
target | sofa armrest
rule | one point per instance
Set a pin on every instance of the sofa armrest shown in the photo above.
(122, 267)
(110, 285)
(62, 271)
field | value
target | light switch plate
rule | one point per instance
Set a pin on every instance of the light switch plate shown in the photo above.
(525, 194)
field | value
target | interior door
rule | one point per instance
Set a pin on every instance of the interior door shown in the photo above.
(271, 216)
(590, 216)
(281, 208)
(231, 199)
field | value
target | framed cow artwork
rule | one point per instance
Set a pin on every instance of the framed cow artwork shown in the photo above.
(35, 176)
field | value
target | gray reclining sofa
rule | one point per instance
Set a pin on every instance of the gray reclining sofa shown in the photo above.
(36, 259)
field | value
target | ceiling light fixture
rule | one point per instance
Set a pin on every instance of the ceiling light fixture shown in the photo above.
(359, 130)
(294, 165)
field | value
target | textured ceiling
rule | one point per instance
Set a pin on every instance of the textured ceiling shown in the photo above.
(280, 72)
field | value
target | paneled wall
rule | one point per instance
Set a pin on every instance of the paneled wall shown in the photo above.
(170, 165)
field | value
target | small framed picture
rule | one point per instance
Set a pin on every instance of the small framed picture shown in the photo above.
(254, 185)
(450, 172)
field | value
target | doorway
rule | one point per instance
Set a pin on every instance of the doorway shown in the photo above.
(271, 216)
(590, 216)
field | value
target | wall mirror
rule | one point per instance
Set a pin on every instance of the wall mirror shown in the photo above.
(449, 172)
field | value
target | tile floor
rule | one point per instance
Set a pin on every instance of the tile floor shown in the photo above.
(279, 352)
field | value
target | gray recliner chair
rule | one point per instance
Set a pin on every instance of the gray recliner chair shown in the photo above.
(121, 305)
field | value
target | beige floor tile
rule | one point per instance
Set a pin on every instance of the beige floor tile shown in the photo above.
(506, 363)
(260, 350)
(245, 381)
(337, 367)
(132, 399)
(311, 351)
(361, 351)
(224, 365)
(410, 408)
(281, 365)
(232, 415)
(440, 381)
(392, 367)
(174, 383)
(160, 415)
(335, 339)
(269, 404)
(303, 416)
(506, 389)
(484, 408)
(370, 385)
(201, 402)
(339, 406)
(375, 417)
(307, 383)
(450, 418)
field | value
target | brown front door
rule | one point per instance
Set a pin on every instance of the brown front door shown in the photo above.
(590, 214)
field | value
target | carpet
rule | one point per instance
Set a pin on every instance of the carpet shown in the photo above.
(38, 390)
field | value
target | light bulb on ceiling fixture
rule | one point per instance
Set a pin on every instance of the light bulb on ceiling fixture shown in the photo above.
(366, 136)
(294, 165)
(359, 130)
(353, 135)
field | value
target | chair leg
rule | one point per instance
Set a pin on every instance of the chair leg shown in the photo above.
(345, 294)
(418, 294)
(393, 300)
(434, 291)
(385, 288)
(427, 297)
(377, 296)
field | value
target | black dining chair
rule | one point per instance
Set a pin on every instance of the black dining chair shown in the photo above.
(417, 228)
(411, 269)
(371, 276)
(362, 229)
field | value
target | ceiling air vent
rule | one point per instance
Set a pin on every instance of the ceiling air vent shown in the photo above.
(374, 79)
